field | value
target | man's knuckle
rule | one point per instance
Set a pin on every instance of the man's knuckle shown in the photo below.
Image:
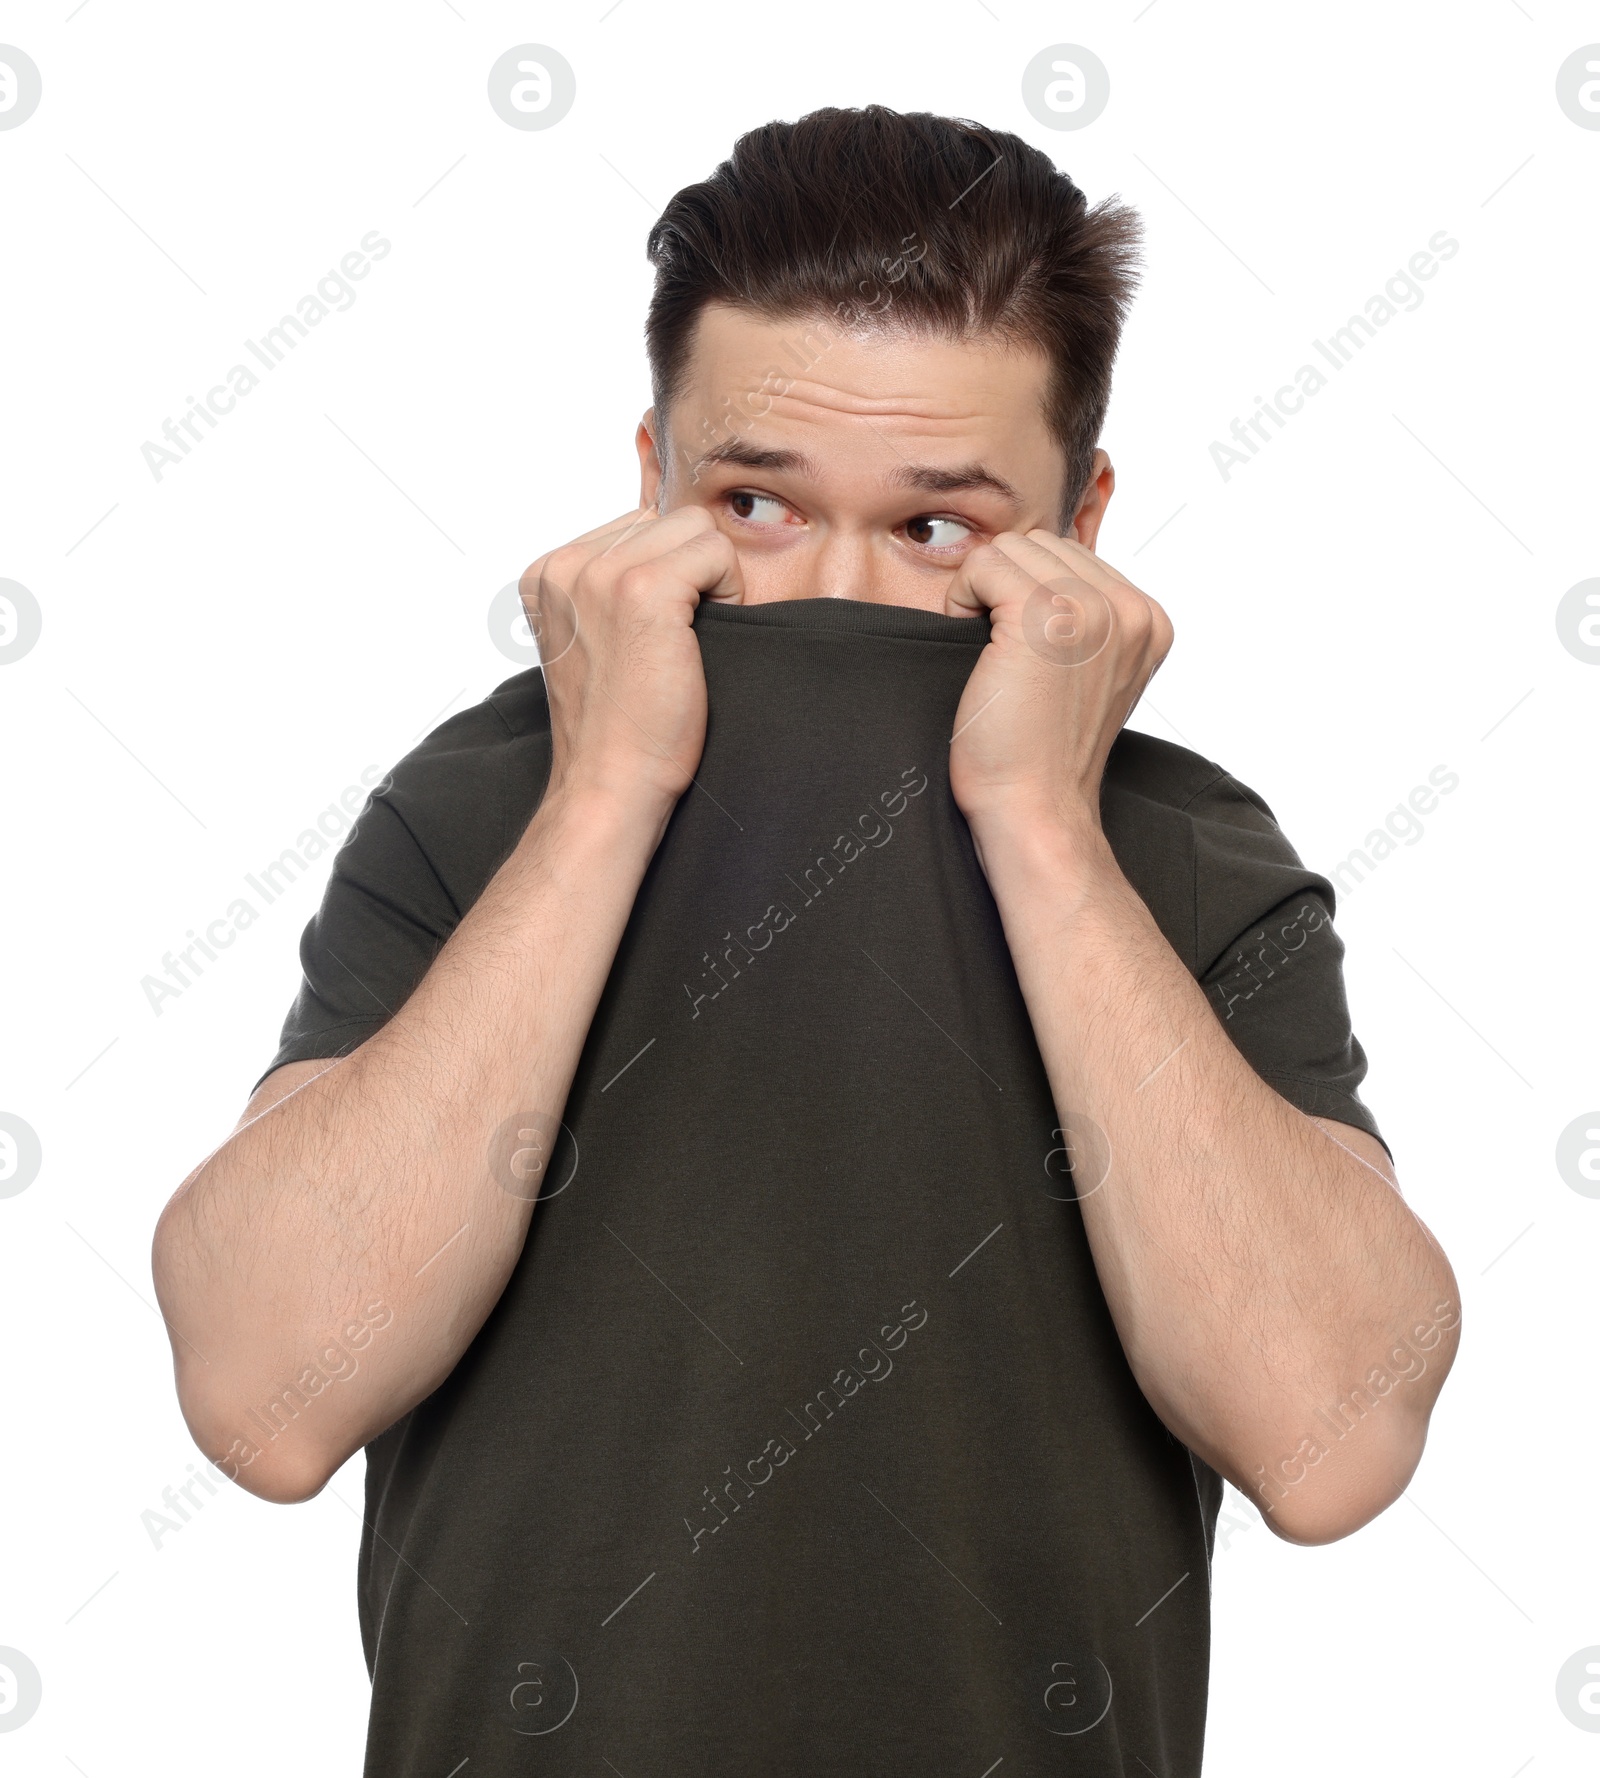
(564, 565)
(639, 581)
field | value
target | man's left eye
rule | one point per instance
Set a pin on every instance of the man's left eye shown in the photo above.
(932, 533)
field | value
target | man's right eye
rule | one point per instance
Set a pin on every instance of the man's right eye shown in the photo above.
(759, 509)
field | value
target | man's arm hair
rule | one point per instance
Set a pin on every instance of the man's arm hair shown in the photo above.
(322, 1272)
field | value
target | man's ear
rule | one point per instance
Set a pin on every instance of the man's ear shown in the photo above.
(1085, 526)
(650, 470)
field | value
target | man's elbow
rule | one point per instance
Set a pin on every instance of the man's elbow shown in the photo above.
(281, 1463)
(284, 1480)
(1333, 1494)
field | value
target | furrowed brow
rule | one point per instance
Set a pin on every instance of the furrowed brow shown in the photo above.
(964, 478)
(741, 454)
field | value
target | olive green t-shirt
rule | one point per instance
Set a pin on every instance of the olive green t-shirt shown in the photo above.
(801, 1441)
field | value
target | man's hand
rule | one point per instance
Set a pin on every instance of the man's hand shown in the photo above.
(382, 1187)
(380, 1182)
(1256, 1264)
(1072, 648)
(612, 612)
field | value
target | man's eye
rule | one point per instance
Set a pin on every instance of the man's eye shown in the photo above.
(760, 509)
(937, 533)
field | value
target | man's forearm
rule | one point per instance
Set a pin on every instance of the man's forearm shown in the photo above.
(1258, 1272)
(392, 1178)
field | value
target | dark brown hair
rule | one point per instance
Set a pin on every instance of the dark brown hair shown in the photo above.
(933, 224)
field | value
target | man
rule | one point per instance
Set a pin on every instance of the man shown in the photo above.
(805, 1150)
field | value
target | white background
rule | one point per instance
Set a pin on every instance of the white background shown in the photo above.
(224, 650)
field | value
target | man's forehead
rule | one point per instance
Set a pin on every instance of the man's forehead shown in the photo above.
(814, 370)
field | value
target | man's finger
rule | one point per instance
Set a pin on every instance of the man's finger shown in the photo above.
(987, 578)
(1101, 573)
(654, 534)
(710, 564)
(1084, 562)
(1049, 559)
(1133, 606)
(612, 528)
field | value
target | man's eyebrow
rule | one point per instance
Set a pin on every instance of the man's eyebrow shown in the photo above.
(742, 455)
(963, 478)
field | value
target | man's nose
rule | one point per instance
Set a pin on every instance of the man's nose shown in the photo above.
(845, 566)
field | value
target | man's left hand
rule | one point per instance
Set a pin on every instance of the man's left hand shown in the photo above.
(1073, 645)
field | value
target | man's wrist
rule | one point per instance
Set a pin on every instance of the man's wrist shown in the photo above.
(585, 816)
(1065, 847)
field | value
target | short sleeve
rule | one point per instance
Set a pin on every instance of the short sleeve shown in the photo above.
(422, 851)
(384, 916)
(1268, 958)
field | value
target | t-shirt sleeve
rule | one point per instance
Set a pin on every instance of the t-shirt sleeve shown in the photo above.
(423, 849)
(1268, 957)
(384, 917)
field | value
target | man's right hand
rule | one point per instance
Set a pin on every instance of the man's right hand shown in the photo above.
(613, 612)
(374, 1179)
